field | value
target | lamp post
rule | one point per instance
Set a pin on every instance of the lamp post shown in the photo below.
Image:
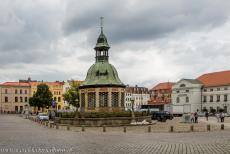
(133, 115)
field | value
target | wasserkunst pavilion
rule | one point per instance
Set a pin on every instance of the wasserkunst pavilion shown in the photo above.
(102, 89)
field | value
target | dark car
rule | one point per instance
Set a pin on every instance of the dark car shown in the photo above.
(161, 116)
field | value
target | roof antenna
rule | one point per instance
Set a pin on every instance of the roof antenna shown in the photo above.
(101, 18)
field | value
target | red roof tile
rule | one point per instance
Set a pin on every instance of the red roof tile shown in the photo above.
(163, 86)
(16, 84)
(215, 79)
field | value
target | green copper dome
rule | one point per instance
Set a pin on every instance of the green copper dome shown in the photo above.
(102, 73)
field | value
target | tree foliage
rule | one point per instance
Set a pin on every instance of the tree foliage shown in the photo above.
(72, 96)
(42, 98)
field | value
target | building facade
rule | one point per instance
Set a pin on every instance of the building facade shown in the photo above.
(216, 91)
(186, 96)
(140, 96)
(56, 89)
(14, 97)
(160, 96)
(102, 89)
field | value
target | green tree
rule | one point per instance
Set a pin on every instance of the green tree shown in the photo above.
(42, 98)
(72, 94)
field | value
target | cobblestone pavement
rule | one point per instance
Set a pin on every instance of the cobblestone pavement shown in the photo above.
(25, 136)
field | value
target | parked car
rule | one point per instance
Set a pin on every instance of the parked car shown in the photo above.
(43, 116)
(226, 115)
(161, 116)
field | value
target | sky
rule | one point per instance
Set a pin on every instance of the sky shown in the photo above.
(151, 41)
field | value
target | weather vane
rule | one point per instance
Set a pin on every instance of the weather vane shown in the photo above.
(101, 18)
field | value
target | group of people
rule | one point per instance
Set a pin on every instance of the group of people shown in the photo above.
(194, 117)
(219, 115)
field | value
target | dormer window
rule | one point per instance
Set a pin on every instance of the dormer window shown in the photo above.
(182, 85)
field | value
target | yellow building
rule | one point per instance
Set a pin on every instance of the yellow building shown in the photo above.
(55, 87)
(14, 97)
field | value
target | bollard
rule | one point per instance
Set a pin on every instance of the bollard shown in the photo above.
(171, 128)
(222, 126)
(149, 129)
(82, 128)
(57, 127)
(208, 127)
(191, 128)
(124, 130)
(68, 127)
(104, 129)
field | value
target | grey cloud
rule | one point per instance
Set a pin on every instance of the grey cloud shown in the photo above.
(146, 21)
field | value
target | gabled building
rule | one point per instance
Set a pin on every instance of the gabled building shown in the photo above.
(186, 96)
(160, 96)
(216, 90)
(140, 96)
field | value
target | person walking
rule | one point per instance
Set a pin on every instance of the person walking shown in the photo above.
(206, 115)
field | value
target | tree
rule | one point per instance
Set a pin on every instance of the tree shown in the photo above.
(42, 98)
(72, 96)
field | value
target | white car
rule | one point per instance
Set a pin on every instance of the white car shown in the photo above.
(43, 116)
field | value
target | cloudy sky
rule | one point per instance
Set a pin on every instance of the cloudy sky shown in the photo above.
(151, 41)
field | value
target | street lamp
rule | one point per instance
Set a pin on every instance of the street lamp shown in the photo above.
(133, 115)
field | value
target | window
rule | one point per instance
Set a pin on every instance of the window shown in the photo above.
(218, 89)
(178, 99)
(225, 88)
(115, 100)
(225, 98)
(16, 99)
(182, 85)
(218, 98)
(59, 99)
(16, 91)
(211, 89)
(178, 91)
(21, 100)
(187, 91)
(6, 99)
(20, 91)
(91, 100)
(82, 100)
(55, 99)
(26, 99)
(103, 99)
(122, 99)
(25, 91)
(205, 90)
(204, 99)
(6, 91)
(187, 99)
(211, 98)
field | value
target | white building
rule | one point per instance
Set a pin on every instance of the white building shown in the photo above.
(210, 91)
(216, 91)
(186, 96)
(140, 95)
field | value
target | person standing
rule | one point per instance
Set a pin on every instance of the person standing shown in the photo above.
(196, 117)
(192, 118)
(206, 115)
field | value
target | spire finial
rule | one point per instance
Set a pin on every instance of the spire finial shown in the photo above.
(101, 18)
